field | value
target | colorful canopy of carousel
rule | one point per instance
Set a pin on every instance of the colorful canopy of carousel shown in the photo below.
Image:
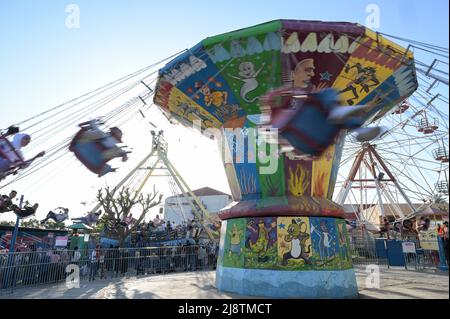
(220, 79)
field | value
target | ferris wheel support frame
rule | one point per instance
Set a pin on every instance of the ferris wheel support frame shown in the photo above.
(127, 177)
(374, 157)
(180, 182)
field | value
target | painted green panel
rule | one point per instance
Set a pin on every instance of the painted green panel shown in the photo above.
(271, 26)
(250, 77)
(271, 184)
(261, 243)
(345, 254)
(233, 253)
(250, 66)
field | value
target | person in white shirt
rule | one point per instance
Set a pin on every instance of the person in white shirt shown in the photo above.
(76, 256)
(11, 154)
(93, 260)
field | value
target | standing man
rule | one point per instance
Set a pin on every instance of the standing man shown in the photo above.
(93, 260)
(445, 241)
(387, 228)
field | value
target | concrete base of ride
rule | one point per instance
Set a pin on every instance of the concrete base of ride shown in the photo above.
(286, 257)
(288, 284)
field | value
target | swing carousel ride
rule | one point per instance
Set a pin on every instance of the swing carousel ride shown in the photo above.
(304, 112)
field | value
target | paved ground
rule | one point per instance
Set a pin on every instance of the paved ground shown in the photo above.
(394, 284)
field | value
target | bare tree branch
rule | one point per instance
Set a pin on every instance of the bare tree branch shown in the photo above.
(119, 207)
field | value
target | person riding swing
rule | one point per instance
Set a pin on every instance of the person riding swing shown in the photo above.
(11, 157)
(95, 148)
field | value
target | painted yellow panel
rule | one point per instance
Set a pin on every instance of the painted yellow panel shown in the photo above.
(294, 241)
(356, 81)
(182, 105)
(321, 172)
(428, 239)
(369, 66)
(299, 181)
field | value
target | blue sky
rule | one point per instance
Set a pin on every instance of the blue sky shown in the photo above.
(43, 63)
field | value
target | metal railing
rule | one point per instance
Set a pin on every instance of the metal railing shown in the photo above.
(366, 253)
(28, 269)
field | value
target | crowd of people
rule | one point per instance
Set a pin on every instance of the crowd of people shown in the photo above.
(408, 229)
(35, 265)
(159, 229)
(39, 266)
(418, 231)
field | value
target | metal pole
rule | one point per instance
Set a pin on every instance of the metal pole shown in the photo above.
(16, 229)
(351, 177)
(380, 200)
(361, 194)
(178, 178)
(7, 279)
(147, 177)
(394, 180)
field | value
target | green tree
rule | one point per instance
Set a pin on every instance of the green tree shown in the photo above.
(6, 223)
(30, 223)
(50, 224)
(116, 208)
(35, 223)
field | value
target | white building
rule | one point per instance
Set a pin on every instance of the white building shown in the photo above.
(178, 209)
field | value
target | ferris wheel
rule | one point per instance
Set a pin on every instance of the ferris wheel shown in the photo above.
(407, 166)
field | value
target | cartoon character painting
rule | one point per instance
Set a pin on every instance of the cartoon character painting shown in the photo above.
(343, 244)
(324, 239)
(211, 97)
(248, 75)
(365, 78)
(234, 246)
(303, 74)
(297, 235)
(235, 240)
(260, 245)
